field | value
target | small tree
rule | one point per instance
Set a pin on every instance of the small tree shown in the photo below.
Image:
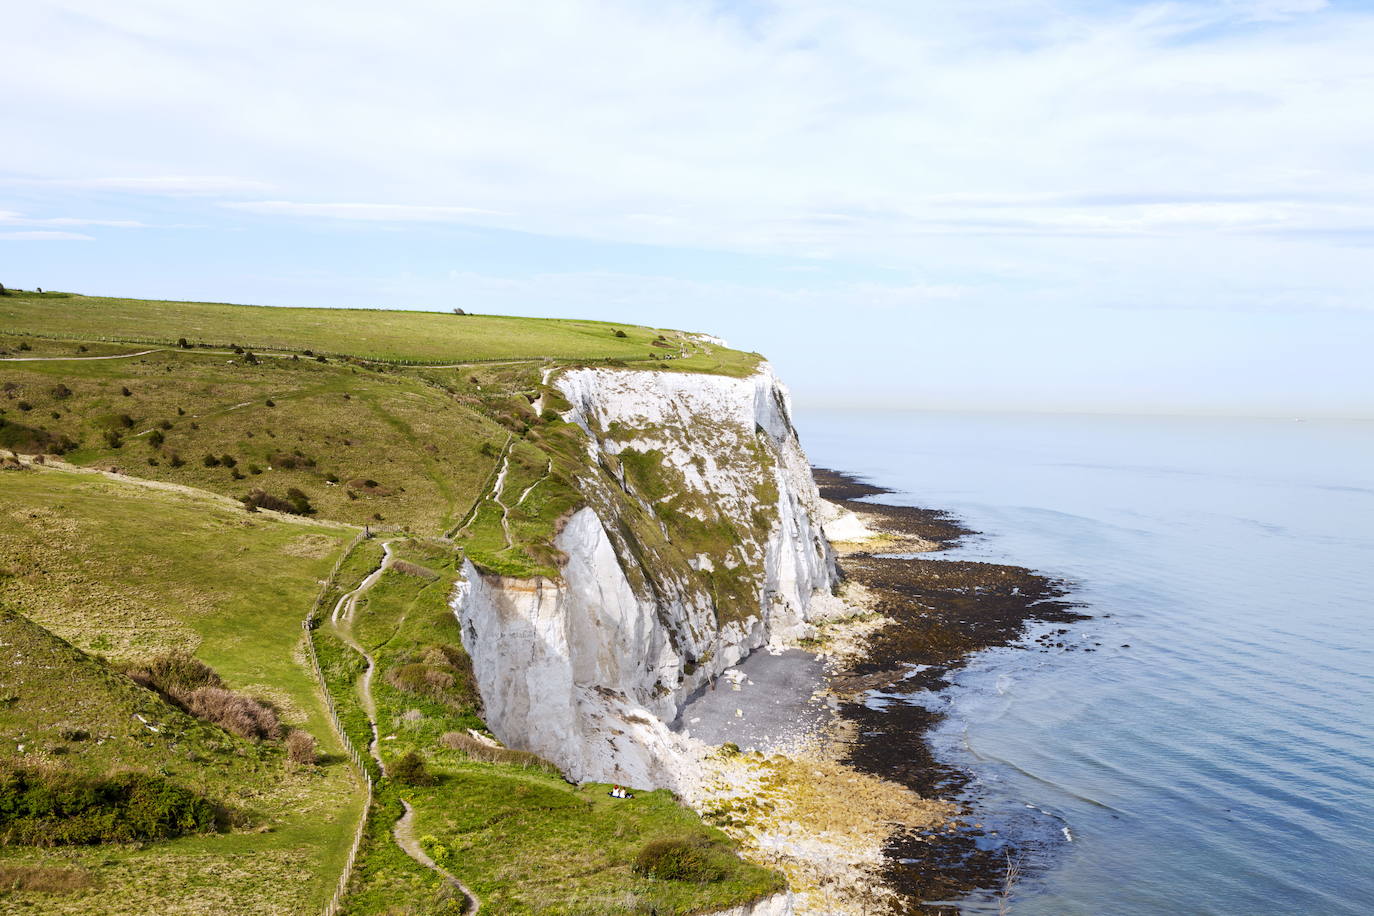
(182, 342)
(409, 769)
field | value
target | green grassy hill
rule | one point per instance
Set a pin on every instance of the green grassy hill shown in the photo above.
(128, 536)
(389, 335)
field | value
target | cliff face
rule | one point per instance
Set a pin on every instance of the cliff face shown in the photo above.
(700, 540)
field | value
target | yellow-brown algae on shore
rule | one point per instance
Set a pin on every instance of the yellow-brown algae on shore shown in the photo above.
(885, 537)
(821, 823)
(839, 640)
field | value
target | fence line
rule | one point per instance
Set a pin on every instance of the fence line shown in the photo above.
(308, 625)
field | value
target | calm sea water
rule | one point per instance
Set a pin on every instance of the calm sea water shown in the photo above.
(1223, 763)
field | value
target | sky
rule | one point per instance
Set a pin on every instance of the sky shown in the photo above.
(989, 204)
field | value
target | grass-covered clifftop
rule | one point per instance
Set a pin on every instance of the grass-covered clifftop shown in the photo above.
(126, 483)
(381, 335)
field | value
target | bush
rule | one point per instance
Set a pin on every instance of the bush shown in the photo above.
(296, 502)
(684, 859)
(409, 769)
(189, 683)
(620, 333)
(173, 674)
(441, 673)
(228, 460)
(233, 712)
(480, 750)
(156, 438)
(300, 747)
(126, 392)
(300, 503)
(61, 392)
(24, 406)
(210, 461)
(113, 439)
(181, 342)
(50, 807)
(175, 460)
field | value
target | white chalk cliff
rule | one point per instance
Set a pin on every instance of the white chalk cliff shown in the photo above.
(700, 540)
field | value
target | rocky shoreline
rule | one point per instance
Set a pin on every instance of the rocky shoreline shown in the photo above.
(935, 615)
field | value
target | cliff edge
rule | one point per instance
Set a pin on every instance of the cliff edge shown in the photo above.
(699, 539)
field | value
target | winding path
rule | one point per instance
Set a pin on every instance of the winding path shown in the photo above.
(405, 838)
(47, 359)
(341, 623)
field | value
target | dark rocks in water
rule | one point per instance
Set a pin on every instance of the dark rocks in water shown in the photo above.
(943, 612)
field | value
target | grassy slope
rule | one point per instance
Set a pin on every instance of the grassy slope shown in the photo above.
(386, 335)
(128, 570)
(419, 445)
(432, 440)
(525, 841)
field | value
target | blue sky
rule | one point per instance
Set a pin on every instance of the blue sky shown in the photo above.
(993, 204)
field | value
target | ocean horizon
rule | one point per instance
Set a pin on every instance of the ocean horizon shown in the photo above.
(1202, 742)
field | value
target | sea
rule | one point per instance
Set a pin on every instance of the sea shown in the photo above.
(1213, 752)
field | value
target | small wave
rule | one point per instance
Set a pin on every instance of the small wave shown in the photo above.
(1063, 821)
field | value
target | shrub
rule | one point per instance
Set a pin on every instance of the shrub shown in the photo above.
(24, 346)
(300, 747)
(156, 438)
(175, 460)
(683, 859)
(44, 879)
(181, 342)
(441, 673)
(233, 712)
(173, 674)
(409, 769)
(620, 333)
(300, 503)
(295, 503)
(210, 461)
(407, 568)
(51, 807)
(165, 424)
(271, 403)
(228, 460)
(113, 439)
(125, 391)
(480, 750)
(61, 392)
(24, 406)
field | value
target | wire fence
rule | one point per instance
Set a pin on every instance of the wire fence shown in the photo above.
(308, 625)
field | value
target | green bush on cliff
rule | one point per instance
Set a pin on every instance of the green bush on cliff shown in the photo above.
(47, 807)
(680, 859)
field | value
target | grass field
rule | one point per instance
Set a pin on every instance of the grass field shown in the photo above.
(523, 839)
(127, 571)
(358, 444)
(396, 335)
(332, 413)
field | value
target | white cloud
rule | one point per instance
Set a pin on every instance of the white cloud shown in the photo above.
(11, 218)
(1007, 137)
(400, 213)
(42, 235)
(173, 185)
